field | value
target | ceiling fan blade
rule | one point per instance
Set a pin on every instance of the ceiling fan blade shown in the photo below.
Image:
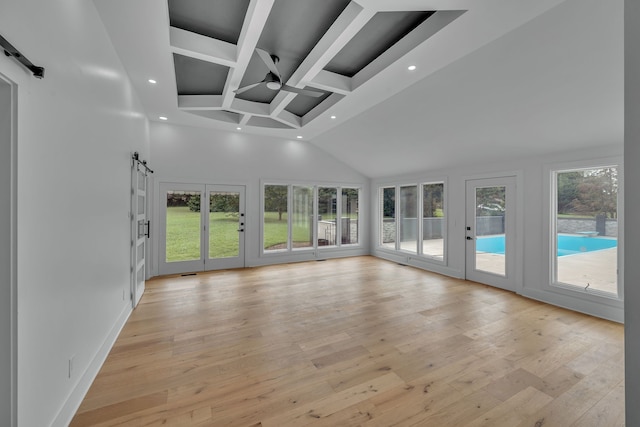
(306, 92)
(266, 58)
(246, 88)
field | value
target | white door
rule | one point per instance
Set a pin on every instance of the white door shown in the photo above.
(140, 230)
(201, 227)
(225, 227)
(490, 232)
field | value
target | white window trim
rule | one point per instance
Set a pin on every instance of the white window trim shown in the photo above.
(290, 250)
(418, 255)
(550, 207)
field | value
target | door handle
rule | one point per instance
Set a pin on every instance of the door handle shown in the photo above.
(148, 233)
(242, 229)
(469, 238)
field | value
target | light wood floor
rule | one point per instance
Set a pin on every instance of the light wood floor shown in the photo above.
(354, 342)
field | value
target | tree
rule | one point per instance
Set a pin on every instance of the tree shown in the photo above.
(568, 190)
(389, 202)
(490, 201)
(194, 203)
(598, 193)
(275, 199)
(432, 200)
(229, 203)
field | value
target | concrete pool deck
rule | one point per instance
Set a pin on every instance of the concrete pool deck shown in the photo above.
(597, 268)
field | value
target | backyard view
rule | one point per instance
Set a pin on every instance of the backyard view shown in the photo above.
(587, 207)
(276, 216)
(431, 242)
(183, 226)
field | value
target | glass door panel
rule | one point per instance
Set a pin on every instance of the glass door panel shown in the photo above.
(224, 213)
(226, 227)
(490, 232)
(183, 240)
(181, 228)
(490, 229)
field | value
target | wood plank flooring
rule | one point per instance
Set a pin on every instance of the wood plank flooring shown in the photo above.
(354, 342)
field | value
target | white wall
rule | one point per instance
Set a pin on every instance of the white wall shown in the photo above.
(193, 155)
(76, 129)
(632, 210)
(7, 291)
(533, 206)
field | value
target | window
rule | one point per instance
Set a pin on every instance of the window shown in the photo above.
(302, 219)
(388, 210)
(409, 219)
(585, 229)
(433, 220)
(299, 217)
(275, 217)
(421, 226)
(350, 216)
(327, 216)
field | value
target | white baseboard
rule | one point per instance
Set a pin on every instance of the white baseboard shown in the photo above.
(71, 405)
(608, 312)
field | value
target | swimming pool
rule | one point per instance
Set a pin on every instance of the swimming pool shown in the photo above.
(567, 244)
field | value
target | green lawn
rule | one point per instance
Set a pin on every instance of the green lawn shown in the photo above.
(183, 234)
(276, 232)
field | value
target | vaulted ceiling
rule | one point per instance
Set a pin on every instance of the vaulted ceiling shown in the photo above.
(477, 64)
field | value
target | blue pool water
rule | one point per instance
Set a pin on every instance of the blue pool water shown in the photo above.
(567, 245)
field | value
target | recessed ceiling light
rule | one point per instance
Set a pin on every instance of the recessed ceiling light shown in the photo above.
(411, 67)
(152, 81)
(333, 117)
(162, 118)
(299, 136)
(239, 128)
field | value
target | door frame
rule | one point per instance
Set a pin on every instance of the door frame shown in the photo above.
(9, 276)
(225, 263)
(178, 267)
(514, 279)
(202, 264)
(139, 237)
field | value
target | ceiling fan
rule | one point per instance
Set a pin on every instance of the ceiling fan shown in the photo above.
(273, 79)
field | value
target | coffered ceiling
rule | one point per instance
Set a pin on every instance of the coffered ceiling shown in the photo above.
(355, 53)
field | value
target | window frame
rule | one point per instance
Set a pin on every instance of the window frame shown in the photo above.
(419, 251)
(289, 250)
(550, 219)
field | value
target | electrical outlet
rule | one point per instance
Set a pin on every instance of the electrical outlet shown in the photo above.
(71, 360)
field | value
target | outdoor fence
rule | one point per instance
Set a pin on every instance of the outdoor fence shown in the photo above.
(601, 225)
(488, 225)
(431, 229)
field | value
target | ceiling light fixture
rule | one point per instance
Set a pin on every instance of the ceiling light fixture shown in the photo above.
(163, 118)
(152, 81)
(238, 128)
(299, 136)
(411, 67)
(333, 117)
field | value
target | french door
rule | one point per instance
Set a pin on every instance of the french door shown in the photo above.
(201, 227)
(491, 232)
